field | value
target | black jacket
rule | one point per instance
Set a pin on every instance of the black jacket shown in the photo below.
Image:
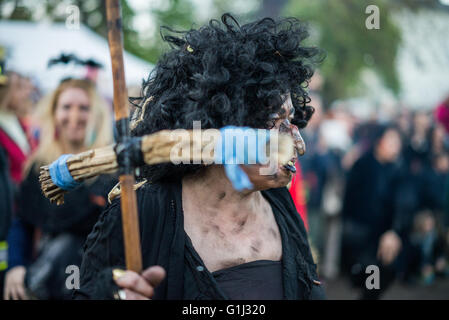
(368, 209)
(80, 211)
(165, 243)
(6, 196)
(64, 230)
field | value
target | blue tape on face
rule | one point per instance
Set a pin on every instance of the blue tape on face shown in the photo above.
(240, 145)
(60, 174)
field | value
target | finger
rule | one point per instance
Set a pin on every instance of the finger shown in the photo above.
(7, 294)
(133, 281)
(379, 253)
(154, 275)
(382, 259)
(389, 256)
(13, 293)
(395, 253)
(386, 260)
(21, 292)
(383, 255)
(131, 295)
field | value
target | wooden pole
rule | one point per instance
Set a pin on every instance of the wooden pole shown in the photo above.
(131, 232)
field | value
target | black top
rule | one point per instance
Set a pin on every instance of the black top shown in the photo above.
(164, 242)
(6, 196)
(256, 280)
(64, 230)
(368, 208)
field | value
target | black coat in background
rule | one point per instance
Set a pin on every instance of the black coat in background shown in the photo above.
(77, 215)
(6, 196)
(368, 212)
(63, 230)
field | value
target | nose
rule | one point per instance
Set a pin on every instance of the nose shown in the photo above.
(298, 140)
(74, 117)
(293, 130)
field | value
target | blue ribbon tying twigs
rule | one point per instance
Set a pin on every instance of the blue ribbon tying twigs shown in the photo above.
(240, 145)
(60, 174)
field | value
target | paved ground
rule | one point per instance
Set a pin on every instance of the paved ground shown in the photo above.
(339, 289)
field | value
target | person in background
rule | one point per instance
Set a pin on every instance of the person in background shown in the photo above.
(417, 204)
(441, 114)
(5, 183)
(14, 135)
(426, 238)
(315, 166)
(403, 122)
(370, 233)
(430, 223)
(45, 238)
(417, 151)
(15, 147)
(5, 214)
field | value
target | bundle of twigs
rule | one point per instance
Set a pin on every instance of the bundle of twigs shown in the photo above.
(156, 148)
(82, 166)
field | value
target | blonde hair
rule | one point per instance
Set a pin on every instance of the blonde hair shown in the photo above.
(99, 128)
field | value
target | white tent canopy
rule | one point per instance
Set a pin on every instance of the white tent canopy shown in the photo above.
(29, 47)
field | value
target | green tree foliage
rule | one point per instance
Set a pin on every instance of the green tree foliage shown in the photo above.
(178, 15)
(349, 45)
(338, 27)
(148, 45)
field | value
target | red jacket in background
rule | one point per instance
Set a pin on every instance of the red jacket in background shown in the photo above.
(16, 156)
(297, 193)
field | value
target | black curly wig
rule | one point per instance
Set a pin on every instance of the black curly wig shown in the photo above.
(226, 74)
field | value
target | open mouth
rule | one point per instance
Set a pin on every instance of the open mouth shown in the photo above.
(290, 166)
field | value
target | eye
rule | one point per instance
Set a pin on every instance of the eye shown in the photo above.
(275, 121)
(271, 124)
(66, 106)
(84, 108)
(292, 114)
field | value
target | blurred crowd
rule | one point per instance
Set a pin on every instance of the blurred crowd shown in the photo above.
(371, 192)
(377, 193)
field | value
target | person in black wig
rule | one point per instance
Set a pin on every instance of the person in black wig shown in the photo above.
(201, 238)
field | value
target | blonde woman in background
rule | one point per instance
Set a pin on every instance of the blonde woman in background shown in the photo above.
(73, 118)
(44, 238)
